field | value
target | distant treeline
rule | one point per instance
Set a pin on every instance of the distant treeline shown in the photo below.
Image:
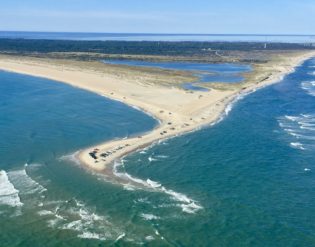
(139, 47)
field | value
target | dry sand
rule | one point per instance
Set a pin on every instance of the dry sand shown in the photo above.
(178, 111)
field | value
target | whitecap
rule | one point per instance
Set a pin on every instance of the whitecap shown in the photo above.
(297, 145)
(188, 205)
(151, 159)
(120, 237)
(25, 183)
(149, 238)
(158, 234)
(142, 200)
(129, 187)
(75, 216)
(301, 128)
(162, 156)
(309, 87)
(9, 195)
(91, 235)
(149, 216)
(45, 212)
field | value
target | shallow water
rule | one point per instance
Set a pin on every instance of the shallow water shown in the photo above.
(238, 183)
(206, 72)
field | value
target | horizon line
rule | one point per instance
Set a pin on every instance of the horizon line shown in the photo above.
(163, 34)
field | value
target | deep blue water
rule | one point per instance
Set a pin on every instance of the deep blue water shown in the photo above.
(206, 72)
(157, 37)
(247, 181)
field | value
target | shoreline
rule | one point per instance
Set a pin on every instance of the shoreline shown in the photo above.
(180, 113)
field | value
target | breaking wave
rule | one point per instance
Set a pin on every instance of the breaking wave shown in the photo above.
(149, 216)
(9, 195)
(75, 216)
(309, 87)
(187, 204)
(301, 128)
(25, 183)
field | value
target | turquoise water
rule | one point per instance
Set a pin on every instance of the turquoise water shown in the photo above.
(247, 181)
(206, 72)
(157, 37)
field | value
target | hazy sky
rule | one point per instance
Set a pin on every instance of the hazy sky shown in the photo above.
(160, 16)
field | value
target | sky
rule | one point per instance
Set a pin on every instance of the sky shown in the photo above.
(160, 16)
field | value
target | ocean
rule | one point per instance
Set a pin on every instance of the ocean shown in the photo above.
(246, 181)
(158, 37)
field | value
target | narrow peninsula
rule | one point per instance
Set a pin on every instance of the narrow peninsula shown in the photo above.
(152, 90)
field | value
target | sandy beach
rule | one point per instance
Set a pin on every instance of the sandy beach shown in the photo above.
(178, 111)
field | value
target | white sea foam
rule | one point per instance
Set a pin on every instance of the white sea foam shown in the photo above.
(187, 204)
(91, 235)
(240, 96)
(297, 145)
(9, 195)
(228, 108)
(309, 87)
(149, 238)
(129, 187)
(45, 212)
(162, 156)
(151, 159)
(75, 216)
(52, 223)
(142, 200)
(121, 236)
(301, 128)
(158, 234)
(153, 184)
(149, 216)
(25, 183)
